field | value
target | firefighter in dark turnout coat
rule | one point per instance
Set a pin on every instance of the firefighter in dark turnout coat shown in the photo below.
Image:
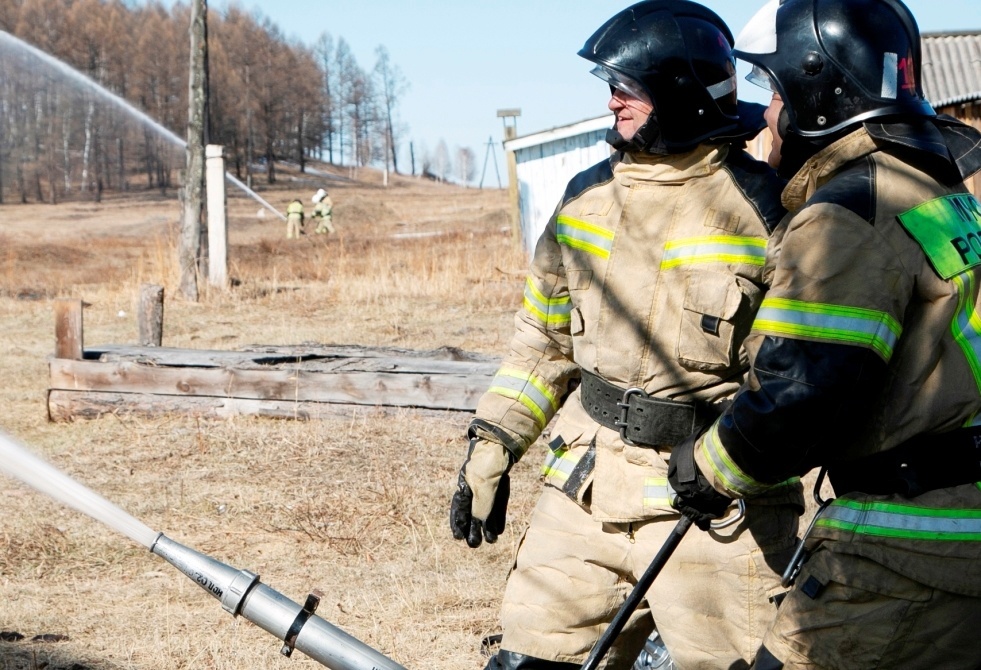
(866, 352)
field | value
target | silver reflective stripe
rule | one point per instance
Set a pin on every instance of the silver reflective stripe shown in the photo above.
(910, 522)
(714, 249)
(723, 88)
(725, 470)
(833, 323)
(549, 311)
(658, 492)
(529, 391)
(890, 75)
(559, 465)
(584, 236)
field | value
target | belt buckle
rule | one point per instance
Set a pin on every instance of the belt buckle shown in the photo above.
(624, 406)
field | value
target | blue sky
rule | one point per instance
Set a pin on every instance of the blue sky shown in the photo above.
(465, 59)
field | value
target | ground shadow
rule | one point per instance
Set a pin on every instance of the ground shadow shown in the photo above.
(33, 654)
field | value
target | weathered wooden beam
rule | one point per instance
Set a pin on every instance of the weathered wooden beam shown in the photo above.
(311, 358)
(68, 329)
(437, 391)
(269, 353)
(71, 405)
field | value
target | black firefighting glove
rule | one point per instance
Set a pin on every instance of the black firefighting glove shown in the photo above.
(696, 498)
(480, 503)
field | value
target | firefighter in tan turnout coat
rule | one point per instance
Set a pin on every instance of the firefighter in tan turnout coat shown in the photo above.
(867, 349)
(642, 288)
(323, 212)
(294, 219)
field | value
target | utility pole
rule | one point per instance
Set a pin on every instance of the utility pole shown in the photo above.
(490, 154)
(193, 200)
(510, 117)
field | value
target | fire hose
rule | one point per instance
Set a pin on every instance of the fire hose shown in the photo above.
(241, 593)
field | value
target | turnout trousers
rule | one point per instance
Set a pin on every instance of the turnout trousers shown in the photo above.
(571, 574)
(846, 611)
(294, 226)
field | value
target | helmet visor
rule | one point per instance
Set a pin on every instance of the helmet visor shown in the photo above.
(621, 82)
(759, 77)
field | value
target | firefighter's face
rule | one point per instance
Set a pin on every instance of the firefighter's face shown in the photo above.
(631, 112)
(772, 117)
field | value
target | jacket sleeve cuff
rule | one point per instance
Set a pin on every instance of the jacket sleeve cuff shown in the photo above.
(718, 467)
(488, 431)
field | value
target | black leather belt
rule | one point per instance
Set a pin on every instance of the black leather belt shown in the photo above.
(640, 419)
(923, 463)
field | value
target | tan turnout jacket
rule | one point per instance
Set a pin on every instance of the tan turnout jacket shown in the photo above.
(648, 275)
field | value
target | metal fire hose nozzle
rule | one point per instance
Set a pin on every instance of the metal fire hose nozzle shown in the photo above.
(241, 593)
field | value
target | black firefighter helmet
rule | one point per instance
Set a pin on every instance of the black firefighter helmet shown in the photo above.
(677, 54)
(835, 64)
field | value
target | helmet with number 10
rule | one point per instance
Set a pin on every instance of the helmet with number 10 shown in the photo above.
(836, 63)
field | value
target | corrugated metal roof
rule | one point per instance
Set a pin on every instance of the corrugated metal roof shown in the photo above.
(951, 68)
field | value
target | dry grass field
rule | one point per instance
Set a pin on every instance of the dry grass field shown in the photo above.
(355, 507)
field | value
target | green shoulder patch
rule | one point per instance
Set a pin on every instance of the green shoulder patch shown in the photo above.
(949, 231)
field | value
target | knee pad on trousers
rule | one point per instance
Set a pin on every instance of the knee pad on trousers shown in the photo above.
(508, 660)
(766, 661)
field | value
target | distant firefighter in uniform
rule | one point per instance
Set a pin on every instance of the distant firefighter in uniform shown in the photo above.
(294, 219)
(322, 212)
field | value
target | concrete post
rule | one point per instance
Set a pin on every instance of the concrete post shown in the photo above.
(217, 219)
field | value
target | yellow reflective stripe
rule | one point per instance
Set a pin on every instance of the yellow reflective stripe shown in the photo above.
(966, 327)
(832, 323)
(529, 391)
(908, 522)
(725, 469)
(550, 311)
(559, 465)
(658, 492)
(584, 236)
(714, 249)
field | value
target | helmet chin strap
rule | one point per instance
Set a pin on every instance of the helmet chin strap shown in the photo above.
(796, 149)
(646, 140)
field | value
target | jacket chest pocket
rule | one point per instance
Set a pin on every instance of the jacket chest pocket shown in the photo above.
(717, 314)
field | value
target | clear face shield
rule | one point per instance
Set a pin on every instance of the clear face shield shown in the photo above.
(621, 82)
(761, 78)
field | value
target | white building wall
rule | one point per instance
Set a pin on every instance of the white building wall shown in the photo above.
(545, 162)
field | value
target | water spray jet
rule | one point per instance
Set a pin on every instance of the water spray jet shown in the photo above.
(94, 87)
(239, 591)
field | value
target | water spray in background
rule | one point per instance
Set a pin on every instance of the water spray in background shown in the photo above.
(93, 87)
(239, 591)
